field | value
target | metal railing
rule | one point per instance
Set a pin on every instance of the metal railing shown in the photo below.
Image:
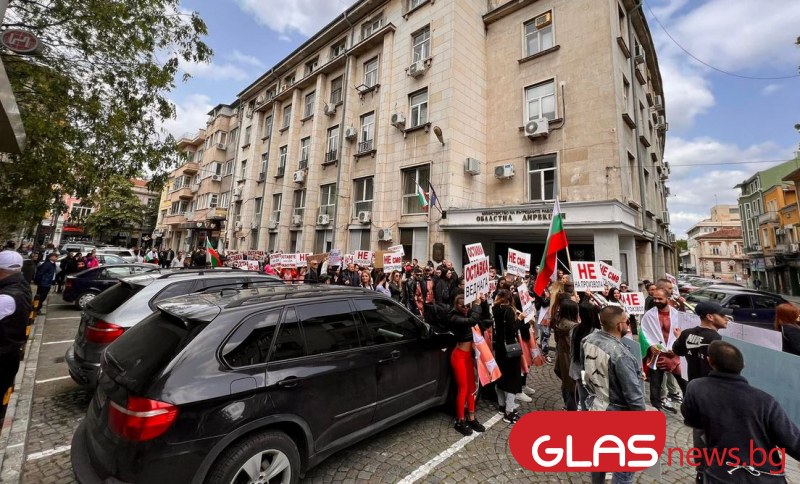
(331, 156)
(365, 146)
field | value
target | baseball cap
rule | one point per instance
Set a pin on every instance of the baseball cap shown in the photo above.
(703, 309)
(10, 260)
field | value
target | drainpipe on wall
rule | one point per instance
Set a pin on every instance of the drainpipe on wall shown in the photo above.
(345, 91)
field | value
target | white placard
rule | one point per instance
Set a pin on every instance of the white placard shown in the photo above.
(753, 335)
(633, 302)
(586, 276)
(302, 259)
(362, 257)
(335, 257)
(289, 261)
(475, 252)
(276, 260)
(398, 249)
(348, 259)
(476, 279)
(392, 261)
(528, 306)
(252, 265)
(518, 262)
(611, 276)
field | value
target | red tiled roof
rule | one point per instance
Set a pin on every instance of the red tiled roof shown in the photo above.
(139, 183)
(733, 233)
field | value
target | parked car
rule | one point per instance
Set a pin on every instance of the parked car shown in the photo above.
(755, 308)
(103, 259)
(126, 254)
(76, 247)
(222, 387)
(116, 310)
(82, 287)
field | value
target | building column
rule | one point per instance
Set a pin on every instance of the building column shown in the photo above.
(627, 247)
(606, 247)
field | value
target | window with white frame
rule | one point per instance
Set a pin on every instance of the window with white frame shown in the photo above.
(247, 132)
(367, 132)
(324, 241)
(198, 156)
(338, 48)
(412, 178)
(284, 153)
(371, 72)
(222, 138)
(295, 240)
(362, 195)
(257, 205)
(276, 207)
(79, 213)
(359, 239)
(264, 165)
(542, 173)
(371, 26)
(540, 101)
(229, 167)
(224, 200)
(299, 203)
(309, 106)
(267, 126)
(327, 199)
(254, 239)
(412, 4)
(243, 171)
(421, 41)
(419, 108)
(312, 65)
(213, 200)
(305, 144)
(215, 168)
(539, 34)
(287, 115)
(288, 80)
(331, 150)
(336, 90)
(272, 242)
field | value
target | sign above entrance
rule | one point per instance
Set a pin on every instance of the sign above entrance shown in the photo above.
(539, 216)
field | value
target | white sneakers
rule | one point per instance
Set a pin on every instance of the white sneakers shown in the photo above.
(523, 398)
(527, 389)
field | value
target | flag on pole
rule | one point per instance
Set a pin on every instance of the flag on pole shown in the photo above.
(434, 197)
(556, 241)
(423, 200)
(212, 256)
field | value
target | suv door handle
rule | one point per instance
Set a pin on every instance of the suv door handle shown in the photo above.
(289, 382)
(392, 356)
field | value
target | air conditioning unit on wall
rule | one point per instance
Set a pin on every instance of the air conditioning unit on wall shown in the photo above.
(364, 217)
(385, 235)
(538, 127)
(504, 171)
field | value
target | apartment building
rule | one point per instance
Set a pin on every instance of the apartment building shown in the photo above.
(501, 106)
(720, 254)
(722, 217)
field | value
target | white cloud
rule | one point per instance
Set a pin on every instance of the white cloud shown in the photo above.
(215, 71)
(769, 89)
(241, 58)
(696, 188)
(191, 115)
(687, 94)
(305, 17)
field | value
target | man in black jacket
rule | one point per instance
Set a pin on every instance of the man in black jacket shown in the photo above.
(44, 278)
(312, 276)
(736, 418)
(350, 276)
(15, 306)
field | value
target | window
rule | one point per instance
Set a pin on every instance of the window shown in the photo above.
(79, 213)
(215, 168)
(176, 289)
(338, 48)
(213, 200)
(324, 241)
(229, 167)
(247, 132)
(371, 26)
(412, 4)
(243, 172)
(367, 132)
(336, 90)
(309, 109)
(717, 267)
(359, 240)
(541, 101)
(422, 44)
(267, 126)
(273, 241)
(221, 137)
(287, 115)
(328, 327)
(288, 80)
(264, 164)
(542, 178)
(234, 134)
(362, 195)
(295, 238)
(741, 301)
(626, 95)
(327, 199)
(412, 178)
(305, 144)
(539, 38)
(258, 202)
(415, 243)
(254, 239)
(312, 65)
(331, 151)
(289, 341)
(249, 344)
(386, 322)
(371, 72)
(299, 203)
(115, 272)
(284, 153)
(276, 207)
(199, 155)
(224, 200)
(764, 302)
(419, 108)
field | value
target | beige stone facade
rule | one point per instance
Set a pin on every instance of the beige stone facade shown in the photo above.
(442, 92)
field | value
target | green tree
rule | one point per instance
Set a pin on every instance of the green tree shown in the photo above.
(93, 102)
(118, 209)
(682, 245)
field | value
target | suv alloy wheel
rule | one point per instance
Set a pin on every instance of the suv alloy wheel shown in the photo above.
(263, 458)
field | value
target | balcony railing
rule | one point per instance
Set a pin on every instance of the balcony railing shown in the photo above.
(281, 171)
(769, 217)
(365, 146)
(331, 156)
(303, 164)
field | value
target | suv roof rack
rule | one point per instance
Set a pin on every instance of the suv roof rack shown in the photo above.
(183, 271)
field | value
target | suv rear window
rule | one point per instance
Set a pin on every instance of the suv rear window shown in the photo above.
(114, 297)
(139, 355)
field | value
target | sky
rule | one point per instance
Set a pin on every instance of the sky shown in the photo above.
(729, 68)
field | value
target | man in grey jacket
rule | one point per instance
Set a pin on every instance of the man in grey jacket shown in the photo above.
(611, 374)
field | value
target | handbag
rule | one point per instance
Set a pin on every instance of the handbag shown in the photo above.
(513, 350)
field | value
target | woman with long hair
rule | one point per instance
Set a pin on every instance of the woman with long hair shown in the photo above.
(787, 321)
(567, 321)
(508, 322)
(382, 284)
(396, 286)
(462, 319)
(588, 322)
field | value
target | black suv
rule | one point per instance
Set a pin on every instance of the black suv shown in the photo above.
(256, 385)
(112, 312)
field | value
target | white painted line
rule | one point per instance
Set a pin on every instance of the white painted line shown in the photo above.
(427, 467)
(59, 342)
(14, 446)
(48, 453)
(67, 317)
(53, 379)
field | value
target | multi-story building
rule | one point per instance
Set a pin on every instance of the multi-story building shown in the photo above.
(722, 217)
(720, 254)
(501, 106)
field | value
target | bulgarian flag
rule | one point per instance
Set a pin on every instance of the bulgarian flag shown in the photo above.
(423, 200)
(212, 256)
(556, 241)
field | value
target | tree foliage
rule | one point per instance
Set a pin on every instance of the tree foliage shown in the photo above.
(93, 102)
(118, 209)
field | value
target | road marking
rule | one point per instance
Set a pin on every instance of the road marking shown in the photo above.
(48, 453)
(14, 446)
(53, 379)
(66, 317)
(59, 342)
(427, 467)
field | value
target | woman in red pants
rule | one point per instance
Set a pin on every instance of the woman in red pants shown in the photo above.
(462, 319)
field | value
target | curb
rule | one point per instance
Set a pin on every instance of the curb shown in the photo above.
(14, 436)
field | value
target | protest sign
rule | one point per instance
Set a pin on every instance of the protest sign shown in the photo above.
(610, 276)
(633, 302)
(288, 261)
(671, 278)
(233, 257)
(475, 252)
(492, 286)
(302, 259)
(476, 279)
(348, 259)
(335, 258)
(526, 300)
(252, 265)
(518, 262)
(397, 248)
(362, 257)
(276, 260)
(586, 276)
(392, 261)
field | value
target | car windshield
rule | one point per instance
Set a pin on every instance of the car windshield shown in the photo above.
(706, 296)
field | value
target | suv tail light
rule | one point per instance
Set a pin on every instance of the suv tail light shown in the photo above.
(103, 332)
(142, 419)
(68, 284)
